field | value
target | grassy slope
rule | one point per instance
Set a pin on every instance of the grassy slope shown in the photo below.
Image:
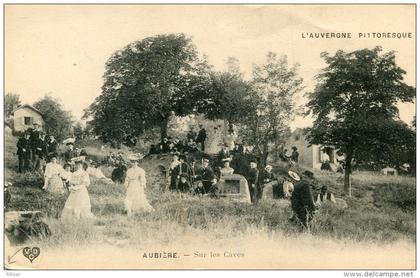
(383, 209)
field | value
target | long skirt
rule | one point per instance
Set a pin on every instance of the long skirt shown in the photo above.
(77, 206)
(135, 200)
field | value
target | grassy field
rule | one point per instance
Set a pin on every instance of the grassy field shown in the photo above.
(380, 213)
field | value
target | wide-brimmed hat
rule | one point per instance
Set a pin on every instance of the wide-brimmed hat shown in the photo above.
(134, 157)
(69, 141)
(293, 175)
(308, 174)
(78, 159)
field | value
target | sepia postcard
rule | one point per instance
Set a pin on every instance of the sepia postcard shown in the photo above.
(202, 136)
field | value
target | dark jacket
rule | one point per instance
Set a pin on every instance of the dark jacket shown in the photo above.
(69, 154)
(205, 174)
(183, 186)
(52, 147)
(295, 156)
(202, 135)
(33, 138)
(267, 177)
(41, 148)
(253, 176)
(23, 147)
(302, 197)
(182, 168)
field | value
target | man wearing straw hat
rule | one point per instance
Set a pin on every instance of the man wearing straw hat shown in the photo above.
(303, 204)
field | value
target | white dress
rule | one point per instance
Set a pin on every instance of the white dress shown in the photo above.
(78, 203)
(52, 175)
(135, 183)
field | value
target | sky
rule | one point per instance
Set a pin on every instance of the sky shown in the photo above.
(62, 50)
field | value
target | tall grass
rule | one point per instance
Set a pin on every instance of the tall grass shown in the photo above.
(382, 210)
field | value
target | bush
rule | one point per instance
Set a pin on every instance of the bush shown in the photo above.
(29, 179)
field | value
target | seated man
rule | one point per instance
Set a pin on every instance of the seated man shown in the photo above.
(206, 176)
(325, 196)
(181, 168)
(267, 175)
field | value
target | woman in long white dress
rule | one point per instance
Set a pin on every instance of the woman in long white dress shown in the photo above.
(52, 177)
(78, 203)
(135, 182)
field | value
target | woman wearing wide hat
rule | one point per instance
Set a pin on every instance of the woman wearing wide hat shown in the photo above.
(135, 182)
(78, 203)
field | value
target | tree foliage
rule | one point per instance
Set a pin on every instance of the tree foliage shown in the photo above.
(11, 102)
(355, 106)
(275, 86)
(144, 82)
(58, 122)
(228, 97)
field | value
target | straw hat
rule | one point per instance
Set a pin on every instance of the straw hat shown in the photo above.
(294, 176)
(78, 159)
(134, 157)
(69, 141)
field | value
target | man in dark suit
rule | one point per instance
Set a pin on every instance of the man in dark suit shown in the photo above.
(33, 139)
(41, 152)
(201, 137)
(252, 179)
(24, 152)
(206, 175)
(295, 155)
(302, 200)
(181, 169)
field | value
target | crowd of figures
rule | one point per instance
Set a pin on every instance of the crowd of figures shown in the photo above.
(69, 173)
(194, 172)
(191, 171)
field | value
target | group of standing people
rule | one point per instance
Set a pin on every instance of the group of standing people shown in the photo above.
(33, 149)
(38, 152)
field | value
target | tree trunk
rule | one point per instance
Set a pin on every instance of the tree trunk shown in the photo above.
(347, 175)
(163, 128)
(264, 156)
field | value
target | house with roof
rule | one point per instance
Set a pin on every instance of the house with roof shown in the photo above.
(26, 116)
(309, 155)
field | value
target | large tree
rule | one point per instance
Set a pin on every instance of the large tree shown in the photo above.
(355, 107)
(227, 97)
(58, 122)
(144, 82)
(275, 85)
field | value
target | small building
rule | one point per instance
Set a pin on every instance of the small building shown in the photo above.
(25, 116)
(309, 155)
